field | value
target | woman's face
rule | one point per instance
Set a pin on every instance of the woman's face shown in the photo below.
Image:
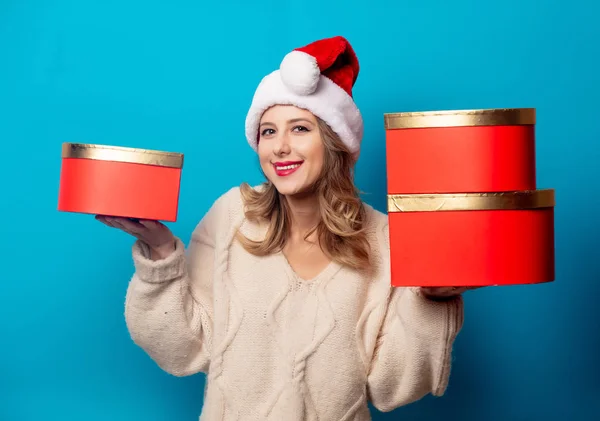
(290, 148)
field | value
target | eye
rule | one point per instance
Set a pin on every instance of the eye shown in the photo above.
(267, 132)
(300, 129)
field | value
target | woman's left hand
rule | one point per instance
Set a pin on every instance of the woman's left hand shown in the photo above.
(443, 293)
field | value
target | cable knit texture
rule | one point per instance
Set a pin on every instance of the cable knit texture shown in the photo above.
(277, 347)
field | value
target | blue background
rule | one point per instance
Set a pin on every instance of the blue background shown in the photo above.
(179, 75)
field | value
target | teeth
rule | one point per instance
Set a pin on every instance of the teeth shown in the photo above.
(288, 167)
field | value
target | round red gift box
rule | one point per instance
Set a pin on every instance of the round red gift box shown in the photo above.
(119, 181)
(472, 239)
(461, 151)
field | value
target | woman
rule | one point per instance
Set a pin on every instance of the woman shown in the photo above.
(283, 297)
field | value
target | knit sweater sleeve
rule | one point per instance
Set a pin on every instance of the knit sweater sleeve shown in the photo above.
(168, 308)
(412, 354)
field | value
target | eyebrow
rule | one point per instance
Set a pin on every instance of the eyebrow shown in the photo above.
(294, 120)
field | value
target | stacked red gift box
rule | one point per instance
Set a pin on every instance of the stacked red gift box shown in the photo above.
(463, 204)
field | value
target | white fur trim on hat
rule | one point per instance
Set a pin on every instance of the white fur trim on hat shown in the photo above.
(329, 102)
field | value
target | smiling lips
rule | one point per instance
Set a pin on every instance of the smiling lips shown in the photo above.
(283, 169)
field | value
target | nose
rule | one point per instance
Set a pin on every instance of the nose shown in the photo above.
(281, 144)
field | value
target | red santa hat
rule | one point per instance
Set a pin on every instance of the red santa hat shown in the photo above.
(318, 77)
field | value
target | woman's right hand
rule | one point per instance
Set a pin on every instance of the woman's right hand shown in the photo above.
(155, 234)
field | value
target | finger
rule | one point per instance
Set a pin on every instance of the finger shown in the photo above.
(118, 223)
(151, 224)
(132, 226)
(436, 290)
(444, 292)
(449, 289)
(106, 220)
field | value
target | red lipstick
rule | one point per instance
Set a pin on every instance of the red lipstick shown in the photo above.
(286, 168)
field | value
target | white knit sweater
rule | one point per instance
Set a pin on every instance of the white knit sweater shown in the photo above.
(276, 347)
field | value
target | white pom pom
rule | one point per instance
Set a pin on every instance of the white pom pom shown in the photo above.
(300, 72)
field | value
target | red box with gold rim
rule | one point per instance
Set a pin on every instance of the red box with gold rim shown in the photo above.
(461, 151)
(463, 205)
(119, 181)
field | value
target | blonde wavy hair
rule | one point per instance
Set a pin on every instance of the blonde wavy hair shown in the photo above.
(341, 230)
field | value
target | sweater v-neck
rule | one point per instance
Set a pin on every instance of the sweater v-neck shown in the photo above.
(324, 275)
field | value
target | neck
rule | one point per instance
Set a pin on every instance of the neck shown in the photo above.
(304, 215)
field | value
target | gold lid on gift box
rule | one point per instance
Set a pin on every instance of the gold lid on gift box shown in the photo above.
(122, 154)
(516, 200)
(460, 118)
